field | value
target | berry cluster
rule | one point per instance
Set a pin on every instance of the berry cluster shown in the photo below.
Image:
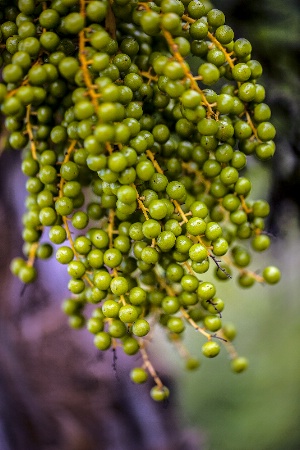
(135, 164)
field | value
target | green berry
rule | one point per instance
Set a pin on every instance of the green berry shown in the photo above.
(64, 255)
(158, 209)
(117, 329)
(140, 327)
(111, 308)
(176, 325)
(271, 275)
(130, 346)
(102, 340)
(151, 229)
(27, 274)
(212, 323)
(119, 286)
(210, 73)
(192, 363)
(128, 313)
(102, 279)
(224, 34)
(138, 375)
(261, 242)
(239, 364)
(166, 240)
(76, 269)
(229, 331)
(213, 231)
(159, 394)
(210, 349)
(95, 325)
(76, 321)
(170, 305)
(206, 290)
(137, 296)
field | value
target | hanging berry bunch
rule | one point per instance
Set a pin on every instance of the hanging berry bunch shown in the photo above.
(135, 121)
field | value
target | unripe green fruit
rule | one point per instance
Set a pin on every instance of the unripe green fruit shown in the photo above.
(130, 346)
(271, 275)
(95, 325)
(212, 323)
(117, 329)
(27, 274)
(102, 340)
(229, 331)
(64, 255)
(170, 305)
(192, 363)
(76, 321)
(128, 313)
(119, 286)
(159, 393)
(206, 290)
(140, 327)
(239, 364)
(210, 349)
(133, 158)
(138, 375)
(261, 242)
(111, 308)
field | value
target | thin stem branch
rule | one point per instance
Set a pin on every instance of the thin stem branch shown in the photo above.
(30, 133)
(149, 366)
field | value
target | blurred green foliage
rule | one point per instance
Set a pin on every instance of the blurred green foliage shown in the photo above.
(258, 409)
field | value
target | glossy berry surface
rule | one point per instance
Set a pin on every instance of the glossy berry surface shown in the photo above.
(136, 123)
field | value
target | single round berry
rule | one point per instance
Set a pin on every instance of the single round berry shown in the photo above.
(192, 363)
(261, 242)
(198, 252)
(137, 296)
(158, 209)
(271, 275)
(239, 364)
(27, 274)
(64, 255)
(102, 279)
(76, 269)
(138, 375)
(130, 346)
(229, 331)
(170, 305)
(159, 393)
(210, 349)
(128, 313)
(209, 73)
(117, 329)
(212, 323)
(176, 325)
(119, 286)
(111, 308)
(102, 340)
(112, 257)
(140, 327)
(206, 290)
(166, 240)
(95, 325)
(151, 229)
